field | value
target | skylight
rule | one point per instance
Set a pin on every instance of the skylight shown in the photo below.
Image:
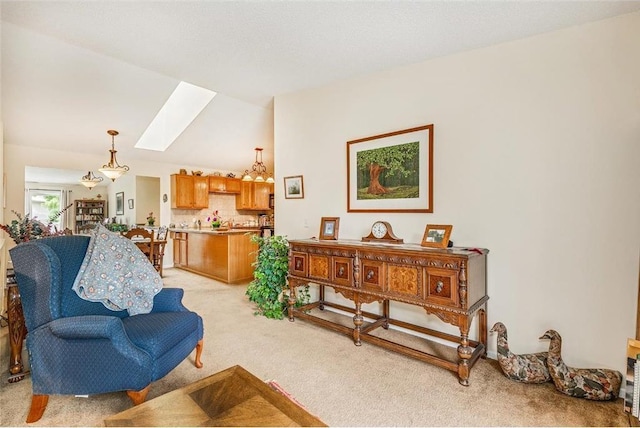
(185, 103)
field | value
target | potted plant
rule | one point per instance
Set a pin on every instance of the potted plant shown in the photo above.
(26, 229)
(268, 290)
(151, 220)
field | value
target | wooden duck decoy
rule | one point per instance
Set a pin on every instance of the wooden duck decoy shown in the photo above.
(592, 384)
(527, 368)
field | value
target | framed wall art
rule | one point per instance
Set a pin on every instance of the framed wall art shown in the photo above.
(120, 203)
(329, 228)
(391, 172)
(293, 187)
(130, 201)
(436, 235)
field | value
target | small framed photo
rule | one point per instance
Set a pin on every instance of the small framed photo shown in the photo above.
(329, 228)
(130, 201)
(436, 235)
(120, 203)
(293, 187)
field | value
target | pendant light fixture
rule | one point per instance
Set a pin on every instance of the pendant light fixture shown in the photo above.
(90, 180)
(113, 169)
(258, 169)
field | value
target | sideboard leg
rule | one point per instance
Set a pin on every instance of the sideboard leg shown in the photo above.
(464, 352)
(321, 292)
(291, 301)
(385, 314)
(358, 320)
(482, 325)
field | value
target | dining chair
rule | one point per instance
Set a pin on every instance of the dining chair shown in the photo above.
(158, 253)
(143, 239)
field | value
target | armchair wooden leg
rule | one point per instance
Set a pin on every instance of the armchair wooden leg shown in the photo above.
(199, 347)
(38, 404)
(138, 397)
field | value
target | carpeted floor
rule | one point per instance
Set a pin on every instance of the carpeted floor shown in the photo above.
(342, 384)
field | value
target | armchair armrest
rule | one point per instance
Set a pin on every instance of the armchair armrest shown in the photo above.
(86, 327)
(169, 300)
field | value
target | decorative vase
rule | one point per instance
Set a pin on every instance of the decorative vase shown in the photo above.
(215, 225)
(151, 223)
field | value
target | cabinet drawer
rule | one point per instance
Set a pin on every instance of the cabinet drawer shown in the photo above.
(404, 280)
(298, 264)
(319, 267)
(372, 275)
(442, 286)
(342, 272)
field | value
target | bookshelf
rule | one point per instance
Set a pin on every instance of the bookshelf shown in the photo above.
(87, 212)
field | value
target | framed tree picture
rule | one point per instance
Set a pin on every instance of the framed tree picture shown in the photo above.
(391, 172)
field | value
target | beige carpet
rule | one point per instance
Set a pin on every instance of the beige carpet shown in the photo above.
(342, 384)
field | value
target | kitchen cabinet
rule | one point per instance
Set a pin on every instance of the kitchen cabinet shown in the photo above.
(254, 196)
(218, 184)
(180, 249)
(225, 256)
(189, 191)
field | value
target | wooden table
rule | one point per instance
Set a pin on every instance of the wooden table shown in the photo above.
(233, 397)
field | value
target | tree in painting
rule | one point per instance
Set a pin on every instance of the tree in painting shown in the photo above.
(389, 172)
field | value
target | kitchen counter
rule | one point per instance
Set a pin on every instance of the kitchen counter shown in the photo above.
(221, 231)
(225, 255)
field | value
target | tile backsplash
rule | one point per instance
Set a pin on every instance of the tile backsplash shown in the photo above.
(226, 206)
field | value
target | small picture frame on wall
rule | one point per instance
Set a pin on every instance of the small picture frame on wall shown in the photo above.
(120, 203)
(436, 235)
(130, 201)
(293, 187)
(329, 228)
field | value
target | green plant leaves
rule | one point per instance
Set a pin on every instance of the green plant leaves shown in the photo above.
(267, 290)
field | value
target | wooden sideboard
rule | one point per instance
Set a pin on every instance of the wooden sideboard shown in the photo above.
(448, 283)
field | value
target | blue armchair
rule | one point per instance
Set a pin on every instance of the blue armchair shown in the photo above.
(80, 347)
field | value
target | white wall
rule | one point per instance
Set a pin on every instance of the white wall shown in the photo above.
(536, 158)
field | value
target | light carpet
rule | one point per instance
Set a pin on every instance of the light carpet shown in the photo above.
(340, 383)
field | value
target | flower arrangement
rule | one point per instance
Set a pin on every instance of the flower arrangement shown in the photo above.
(151, 219)
(26, 229)
(214, 219)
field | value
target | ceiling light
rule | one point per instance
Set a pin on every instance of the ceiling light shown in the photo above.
(113, 169)
(90, 181)
(258, 169)
(183, 106)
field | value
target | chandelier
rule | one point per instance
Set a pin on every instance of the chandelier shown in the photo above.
(113, 169)
(258, 169)
(90, 180)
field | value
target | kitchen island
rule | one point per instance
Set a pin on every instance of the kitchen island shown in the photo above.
(225, 255)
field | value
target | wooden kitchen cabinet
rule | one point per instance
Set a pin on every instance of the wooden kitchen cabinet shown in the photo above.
(218, 184)
(254, 196)
(189, 191)
(225, 256)
(180, 249)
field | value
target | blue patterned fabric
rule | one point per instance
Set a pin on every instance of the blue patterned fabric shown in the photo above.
(80, 347)
(116, 273)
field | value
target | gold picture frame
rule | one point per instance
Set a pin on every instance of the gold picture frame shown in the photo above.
(436, 235)
(329, 227)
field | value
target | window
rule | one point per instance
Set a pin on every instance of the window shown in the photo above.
(44, 204)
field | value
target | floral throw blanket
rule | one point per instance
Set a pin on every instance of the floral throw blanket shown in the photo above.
(116, 273)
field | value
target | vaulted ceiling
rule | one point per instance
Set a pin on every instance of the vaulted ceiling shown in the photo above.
(71, 70)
